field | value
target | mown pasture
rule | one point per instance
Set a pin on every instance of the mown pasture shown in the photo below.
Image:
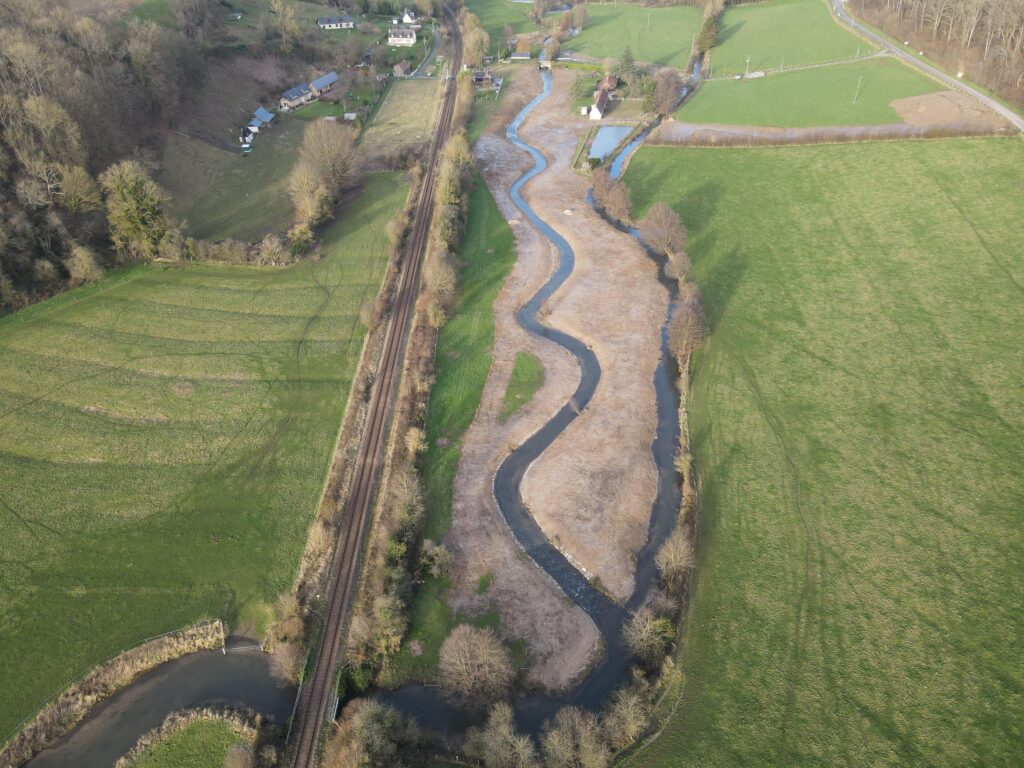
(655, 35)
(405, 115)
(462, 360)
(222, 193)
(781, 33)
(201, 744)
(857, 419)
(845, 94)
(164, 439)
(495, 15)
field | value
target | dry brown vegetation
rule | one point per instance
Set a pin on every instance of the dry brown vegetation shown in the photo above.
(475, 667)
(71, 706)
(370, 734)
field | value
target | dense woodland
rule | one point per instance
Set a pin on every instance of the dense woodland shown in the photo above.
(984, 39)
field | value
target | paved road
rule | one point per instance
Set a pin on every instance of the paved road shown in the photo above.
(839, 9)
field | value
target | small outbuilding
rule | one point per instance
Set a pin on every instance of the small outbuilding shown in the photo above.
(335, 22)
(520, 57)
(402, 69)
(608, 83)
(264, 115)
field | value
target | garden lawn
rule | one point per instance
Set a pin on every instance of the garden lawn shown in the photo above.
(225, 194)
(495, 15)
(404, 117)
(462, 361)
(781, 32)
(846, 94)
(164, 439)
(858, 423)
(656, 35)
(202, 744)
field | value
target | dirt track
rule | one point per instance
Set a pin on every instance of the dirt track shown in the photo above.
(592, 490)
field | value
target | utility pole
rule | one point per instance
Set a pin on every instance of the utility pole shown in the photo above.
(748, 65)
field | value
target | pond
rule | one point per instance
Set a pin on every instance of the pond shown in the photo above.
(607, 139)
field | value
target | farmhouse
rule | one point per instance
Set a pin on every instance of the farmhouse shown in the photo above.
(402, 36)
(323, 84)
(600, 105)
(296, 97)
(402, 69)
(408, 17)
(335, 22)
(520, 57)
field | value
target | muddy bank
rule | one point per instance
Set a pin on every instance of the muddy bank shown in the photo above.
(592, 491)
(561, 637)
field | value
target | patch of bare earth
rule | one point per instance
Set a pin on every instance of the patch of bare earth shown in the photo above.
(562, 639)
(592, 490)
(945, 108)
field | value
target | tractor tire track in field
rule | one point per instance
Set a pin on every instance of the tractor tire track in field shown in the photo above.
(808, 588)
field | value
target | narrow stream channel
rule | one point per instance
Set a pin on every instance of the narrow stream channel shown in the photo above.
(426, 704)
(245, 680)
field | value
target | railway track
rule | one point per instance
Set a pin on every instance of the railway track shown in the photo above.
(318, 693)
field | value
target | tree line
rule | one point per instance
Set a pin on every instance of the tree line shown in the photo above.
(982, 38)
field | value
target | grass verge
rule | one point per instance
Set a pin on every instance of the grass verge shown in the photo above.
(856, 416)
(462, 361)
(202, 744)
(164, 438)
(404, 117)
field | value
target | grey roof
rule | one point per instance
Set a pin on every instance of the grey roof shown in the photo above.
(297, 92)
(264, 114)
(402, 32)
(324, 80)
(255, 123)
(520, 56)
(321, 20)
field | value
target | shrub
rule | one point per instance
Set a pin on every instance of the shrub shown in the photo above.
(574, 739)
(675, 559)
(474, 666)
(648, 637)
(497, 745)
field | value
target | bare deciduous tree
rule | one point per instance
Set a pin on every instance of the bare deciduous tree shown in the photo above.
(627, 715)
(686, 331)
(474, 666)
(675, 560)
(663, 231)
(497, 745)
(573, 740)
(667, 88)
(648, 636)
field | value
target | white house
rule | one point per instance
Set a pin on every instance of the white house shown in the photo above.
(402, 37)
(600, 105)
(408, 17)
(335, 22)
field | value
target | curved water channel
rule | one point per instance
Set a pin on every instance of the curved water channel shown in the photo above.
(244, 679)
(613, 670)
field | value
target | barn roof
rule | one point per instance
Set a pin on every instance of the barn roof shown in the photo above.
(264, 114)
(602, 100)
(324, 81)
(322, 20)
(297, 92)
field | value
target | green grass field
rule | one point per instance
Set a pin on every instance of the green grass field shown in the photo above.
(202, 744)
(656, 35)
(781, 32)
(158, 11)
(227, 194)
(495, 15)
(462, 361)
(846, 94)
(164, 438)
(527, 377)
(404, 117)
(857, 417)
